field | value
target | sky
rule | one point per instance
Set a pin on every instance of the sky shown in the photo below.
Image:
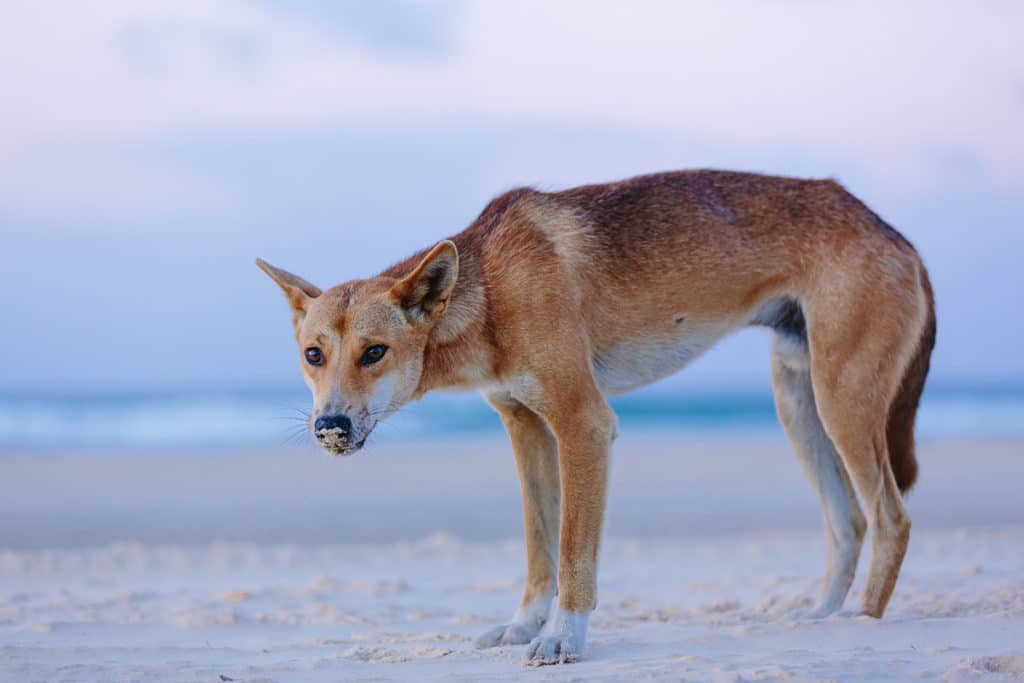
(149, 152)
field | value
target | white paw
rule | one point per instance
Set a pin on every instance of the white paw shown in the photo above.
(516, 633)
(552, 650)
(817, 612)
(526, 624)
(561, 642)
(860, 614)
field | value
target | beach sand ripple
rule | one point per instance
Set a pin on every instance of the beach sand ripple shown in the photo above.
(715, 609)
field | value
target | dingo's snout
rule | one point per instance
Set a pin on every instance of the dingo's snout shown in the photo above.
(334, 433)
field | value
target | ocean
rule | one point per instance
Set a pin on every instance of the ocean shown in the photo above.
(219, 419)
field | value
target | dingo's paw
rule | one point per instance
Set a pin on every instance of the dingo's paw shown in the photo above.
(526, 624)
(561, 642)
(516, 633)
(860, 614)
(552, 650)
(814, 613)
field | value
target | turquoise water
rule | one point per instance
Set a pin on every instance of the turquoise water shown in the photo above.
(270, 418)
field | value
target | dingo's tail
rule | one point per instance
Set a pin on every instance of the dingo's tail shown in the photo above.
(903, 411)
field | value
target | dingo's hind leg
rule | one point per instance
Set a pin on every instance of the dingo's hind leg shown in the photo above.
(844, 521)
(865, 330)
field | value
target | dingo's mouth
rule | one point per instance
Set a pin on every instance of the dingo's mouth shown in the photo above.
(340, 450)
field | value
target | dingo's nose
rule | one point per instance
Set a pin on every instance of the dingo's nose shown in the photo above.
(339, 423)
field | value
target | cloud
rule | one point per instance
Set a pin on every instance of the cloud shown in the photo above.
(46, 184)
(411, 29)
(886, 84)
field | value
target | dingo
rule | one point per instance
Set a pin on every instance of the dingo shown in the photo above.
(549, 302)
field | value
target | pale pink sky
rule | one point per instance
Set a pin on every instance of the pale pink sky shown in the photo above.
(140, 141)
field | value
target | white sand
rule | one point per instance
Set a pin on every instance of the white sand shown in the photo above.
(713, 599)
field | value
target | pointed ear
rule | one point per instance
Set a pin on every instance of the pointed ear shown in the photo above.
(298, 291)
(424, 292)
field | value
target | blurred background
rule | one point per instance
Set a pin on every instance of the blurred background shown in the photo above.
(150, 151)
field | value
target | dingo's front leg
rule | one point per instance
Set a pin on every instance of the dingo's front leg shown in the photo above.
(584, 426)
(537, 461)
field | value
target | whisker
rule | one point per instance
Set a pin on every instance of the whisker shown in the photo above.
(298, 437)
(291, 418)
(386, 410)
(297, 431)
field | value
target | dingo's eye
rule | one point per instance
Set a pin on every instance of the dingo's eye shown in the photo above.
(373, 354)
(314, 356)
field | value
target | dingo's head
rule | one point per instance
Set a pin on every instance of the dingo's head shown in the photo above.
(361, 343)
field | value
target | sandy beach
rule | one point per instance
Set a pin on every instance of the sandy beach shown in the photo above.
(289, 566)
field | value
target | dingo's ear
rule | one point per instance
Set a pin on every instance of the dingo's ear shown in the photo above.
(297, 290)
(424, 292)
